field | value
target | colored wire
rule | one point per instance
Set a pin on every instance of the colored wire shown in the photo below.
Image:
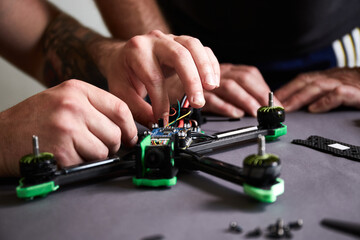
(177, 115)
(186, 104)
(180, 117)
(174, 110)
(183, 100)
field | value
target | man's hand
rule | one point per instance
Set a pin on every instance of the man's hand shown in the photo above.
(74, 120)
(322, 91)
(242, 90)
(142, 65)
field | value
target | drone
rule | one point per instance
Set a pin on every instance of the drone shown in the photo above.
(167, 148)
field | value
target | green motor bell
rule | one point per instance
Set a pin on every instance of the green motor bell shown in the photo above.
(270, 117)
(37, 167)
(261, 169)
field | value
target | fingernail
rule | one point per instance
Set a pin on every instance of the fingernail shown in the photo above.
(314, 108)
(286, 106)
(198, 99)
(209, 80)
(165, 117)
(218, 80)
(134, 140)
(237, 113)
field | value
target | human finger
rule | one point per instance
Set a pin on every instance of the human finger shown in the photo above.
(233, 93)
(251, 80)
(67, 156)
(201, 58)
(141, 110)
(90, 147)
(113, 108)
(176, 56)
(215, 64)
(341, 95)
(143, 62)
(217, 105)
(309, 94)
(298, 83)
(104, 129)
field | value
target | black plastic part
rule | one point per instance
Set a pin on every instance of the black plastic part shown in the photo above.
(235, 227)
(347, 227)
(213, 144)
(157, 163)
(264, 174)
(161, 122)
(39, 171)
(322, 144)
(270, 117)
(192, 161)
(196, 115)
(112, 167)
(254, 233)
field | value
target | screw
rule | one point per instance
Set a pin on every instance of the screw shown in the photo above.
(271, 99)
(35, 141)
(276, 230)
(287, 232)
(297, 224)
(261, 145)
(234, 227)
(154, 237)
(254, 233)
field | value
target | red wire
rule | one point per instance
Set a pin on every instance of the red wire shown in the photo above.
(186, 103)
(173, 113)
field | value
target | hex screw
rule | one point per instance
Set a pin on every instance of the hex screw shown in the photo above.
(235, 227)
(296, 225)
(254, 233)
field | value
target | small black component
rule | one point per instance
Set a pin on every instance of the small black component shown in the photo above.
(158, 162)
(261, 169)
(161, 122)
(37, 167)
(326, 145)
(278, 229)
(40, 169)
(234, 227)
(254, 233)
(181, 139)
(287, 232)
(343, 226)
(296, 225)
(154, 237)
(270, 117)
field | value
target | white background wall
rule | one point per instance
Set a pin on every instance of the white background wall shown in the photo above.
(16, 86)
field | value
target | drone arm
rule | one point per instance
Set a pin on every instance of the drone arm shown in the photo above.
(193, 161)
(108, 167)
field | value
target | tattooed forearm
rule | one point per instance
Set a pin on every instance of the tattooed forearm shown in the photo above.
(66, 47)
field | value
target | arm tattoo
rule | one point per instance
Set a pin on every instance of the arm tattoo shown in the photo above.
(65, 49)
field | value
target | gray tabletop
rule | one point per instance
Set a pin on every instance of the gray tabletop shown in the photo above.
(199, 206)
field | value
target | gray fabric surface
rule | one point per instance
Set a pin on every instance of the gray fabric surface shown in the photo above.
(317, 186)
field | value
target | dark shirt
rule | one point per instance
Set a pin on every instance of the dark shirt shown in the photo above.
(251, 31)
(259, 32)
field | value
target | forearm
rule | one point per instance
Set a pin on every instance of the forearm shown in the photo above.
(128, 18)
(22, 25)
(74, 51)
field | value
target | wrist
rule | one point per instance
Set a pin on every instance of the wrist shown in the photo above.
(103, 51)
